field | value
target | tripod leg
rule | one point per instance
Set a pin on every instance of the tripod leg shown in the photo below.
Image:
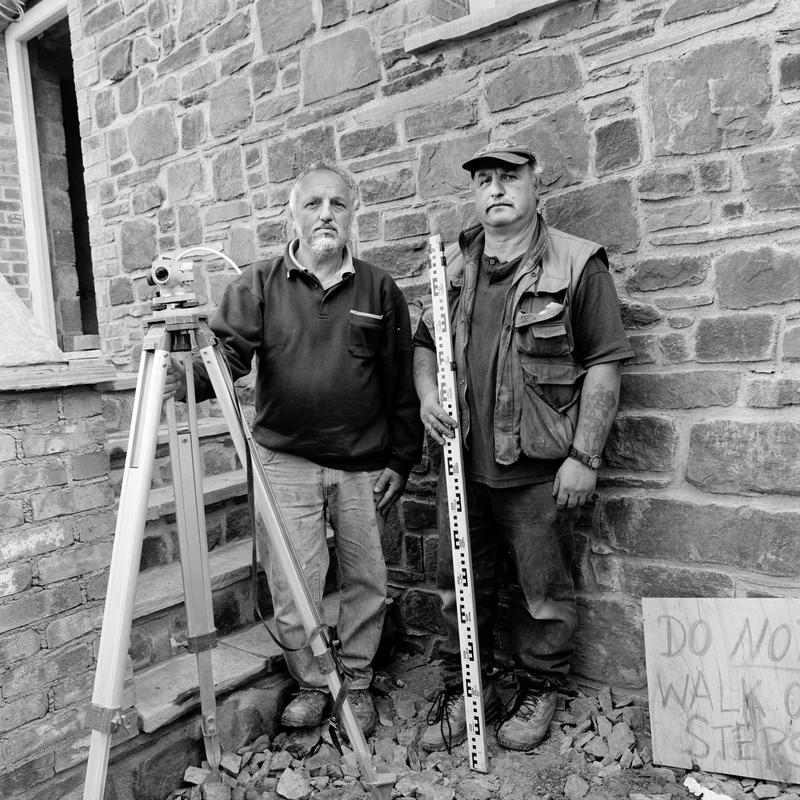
(126, 555)
(283, 550)
(190, 516)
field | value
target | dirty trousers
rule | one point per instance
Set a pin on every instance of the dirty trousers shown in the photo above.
(525, 522)
(309, 496)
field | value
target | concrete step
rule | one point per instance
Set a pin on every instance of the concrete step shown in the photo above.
(168, 690)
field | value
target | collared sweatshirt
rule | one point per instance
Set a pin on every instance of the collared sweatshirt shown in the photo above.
(334, 377)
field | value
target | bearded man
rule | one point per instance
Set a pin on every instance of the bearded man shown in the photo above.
(336, 422)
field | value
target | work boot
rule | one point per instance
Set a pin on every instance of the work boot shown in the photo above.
(364, 710)
(447, 718)
(306, 709)
(529, 721)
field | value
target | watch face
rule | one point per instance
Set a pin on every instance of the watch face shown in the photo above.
(594, 462)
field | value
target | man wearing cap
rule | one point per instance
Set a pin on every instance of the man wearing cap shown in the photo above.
(538, 343)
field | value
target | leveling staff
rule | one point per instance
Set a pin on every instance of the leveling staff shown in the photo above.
(538, 342)
(336, 420)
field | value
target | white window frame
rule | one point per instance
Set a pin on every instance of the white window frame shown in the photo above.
(18, 34)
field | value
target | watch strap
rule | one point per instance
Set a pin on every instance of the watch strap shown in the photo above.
(590, 460)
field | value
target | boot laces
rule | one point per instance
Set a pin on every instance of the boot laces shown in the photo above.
(440, 711)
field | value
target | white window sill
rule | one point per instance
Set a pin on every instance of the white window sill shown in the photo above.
(479, 22)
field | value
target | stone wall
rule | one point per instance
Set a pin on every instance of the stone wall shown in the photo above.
(668, 130)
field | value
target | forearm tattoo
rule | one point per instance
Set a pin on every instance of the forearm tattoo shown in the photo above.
(598, 408)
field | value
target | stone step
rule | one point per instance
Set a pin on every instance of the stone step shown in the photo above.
(167, 690)
(216, 488)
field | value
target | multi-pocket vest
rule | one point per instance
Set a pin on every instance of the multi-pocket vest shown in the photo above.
(538, 380)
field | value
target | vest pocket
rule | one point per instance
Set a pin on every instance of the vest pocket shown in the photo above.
(541, 337)
(364, 334)
(549, 408)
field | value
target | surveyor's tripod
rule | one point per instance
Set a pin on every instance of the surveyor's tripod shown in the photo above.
(177, 330)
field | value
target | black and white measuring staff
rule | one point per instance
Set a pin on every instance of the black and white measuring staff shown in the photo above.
(457, 513)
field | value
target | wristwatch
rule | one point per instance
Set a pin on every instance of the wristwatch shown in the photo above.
(591, 461)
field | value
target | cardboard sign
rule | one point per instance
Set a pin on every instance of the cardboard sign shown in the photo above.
(724, 684)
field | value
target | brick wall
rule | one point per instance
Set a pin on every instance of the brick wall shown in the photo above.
(669, 131)
(57, 520)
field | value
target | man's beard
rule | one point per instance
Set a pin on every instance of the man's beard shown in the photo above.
(323, 245)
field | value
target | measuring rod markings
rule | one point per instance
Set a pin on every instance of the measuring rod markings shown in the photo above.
(459, 526)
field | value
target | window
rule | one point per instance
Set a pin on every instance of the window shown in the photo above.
(45, 114)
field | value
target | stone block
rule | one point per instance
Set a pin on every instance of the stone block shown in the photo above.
(685, 9)
(772, 178)
(663, 184)
(530, 78)
(561, 146)
(263, 77)
(147, 198)
(116, 62)
(106, 15)
(790, 72)
(237, 59)
(283, 24)
(38, 672)
(715, 97)
(715, 176)
(654, 274)
(612, 108)
(105, 108)
(417, 515)
(694, 389)
(603, 213)
(387, 186)
(688, 532)
(791, 343)
(190, 227)
(338, 64)
(422, 609)
(152, 135)
(609, 640)
(69, 627)
(638, 315)
(137, 244)
(435, 120)
(184, 179)
(19, 476)
(617, 145)
(29, 408)
(189, 53)
(287, 155)
(732, 210)
(392, 538)
(230, 107)
(505, 42)
(401, 226)
(232, 32)
(227, 173)
(366, 141)
(200, 15)
(440, 173)
(414, 557)
(685, 214)
(402, 261)
(573, 16)
(641, 442)
(193, 129)
(625, 37)
(747, 278)
(413, 79)
(643, 579)
(449, 221)
(742, 457)
(18, 712)
(773, 393)
(333, 12)
(271, 232)
(740, 337)
(369, 226)
(674, 348)
(89, 465)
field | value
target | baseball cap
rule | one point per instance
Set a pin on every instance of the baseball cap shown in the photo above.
(501, 150)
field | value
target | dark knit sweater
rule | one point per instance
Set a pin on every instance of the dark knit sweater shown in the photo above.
(334, 381)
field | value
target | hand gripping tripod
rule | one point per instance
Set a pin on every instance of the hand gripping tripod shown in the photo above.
(175, 329)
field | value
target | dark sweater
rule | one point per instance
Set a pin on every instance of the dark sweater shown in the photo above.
(334, 381)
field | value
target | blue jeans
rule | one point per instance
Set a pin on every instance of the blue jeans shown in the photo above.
(310, 497)
(525, 522)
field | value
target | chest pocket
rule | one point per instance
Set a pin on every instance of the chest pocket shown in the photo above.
(364, 335)
(540, 327)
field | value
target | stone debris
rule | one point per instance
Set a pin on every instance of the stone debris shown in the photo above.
(598, 749)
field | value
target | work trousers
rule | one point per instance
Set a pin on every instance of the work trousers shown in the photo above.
(309, 497)
(525, 523)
